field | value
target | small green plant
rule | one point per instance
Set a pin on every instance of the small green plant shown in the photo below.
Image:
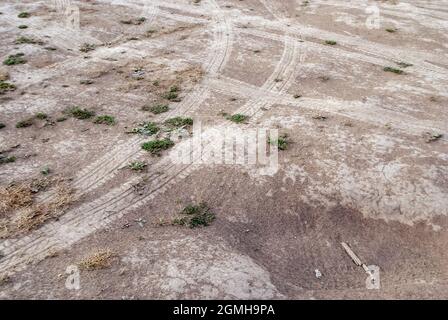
(178, 122)
(109, 120)
(6, 86)
(393, 70)
(26, 40)
(23, 26)
(15, 59)
(24, 14)
(41, 116)
(404, 64)
(172, 96)
(45, 171)
(147, 128)
(137, 165)
(159, 108)
(191, 209)
(7, 159)
(196, 216)
(25, 123)
(237, 118)
(81, 114)
(391, 30)
(282, 142)
(86, 82)
(87, 47)
(150, 32)
(156, 146)
(330, 42)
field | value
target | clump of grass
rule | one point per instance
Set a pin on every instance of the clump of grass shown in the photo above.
(6, 86)
(393, 70)
(19, 198)
(237, 118)
(281, 143)
(136, 22)
(26, 40)
(81, 114)
(147, 129)
(196, 216)
(15, 59)
(320, 117)
(87, 47)
(159, 108)
(105, 119)
(330, 42)
(15, 196)
(24, 14)
(137, 165)
(391, 30)
(156, 146)
(178, 122)
(45, 171)
(172, 94)
(404, 64)
(41, 116)
(150, 32)
(4, 279)
(98, 259)
(86, 81)
(25, 123)
(7, 159)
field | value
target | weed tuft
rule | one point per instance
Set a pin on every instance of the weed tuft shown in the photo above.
(15, 59)
(393, 70)
(81, 114)
(237, 118)
(156, 146)
(178, 122)
(196, 216)
(24, 14)
(25, 123)
(105, 119)
(41, 116)
(282, 142)
(137, 165)
(6, 86)
(146, 129)
(99, 259)
(158, 108)
(87, 47)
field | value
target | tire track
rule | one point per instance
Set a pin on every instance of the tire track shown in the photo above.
(47, 237)
(105, 168)
(92, 216)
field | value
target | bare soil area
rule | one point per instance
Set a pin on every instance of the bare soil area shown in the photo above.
(97, 98)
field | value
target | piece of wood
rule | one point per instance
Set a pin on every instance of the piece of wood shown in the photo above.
(351, 254)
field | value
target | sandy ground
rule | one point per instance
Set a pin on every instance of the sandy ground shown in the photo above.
(360, 166)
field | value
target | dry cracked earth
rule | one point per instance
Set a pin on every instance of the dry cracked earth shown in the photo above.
(357, 91)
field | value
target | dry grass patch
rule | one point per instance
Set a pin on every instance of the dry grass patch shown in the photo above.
(99, 259)
(19, 211)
